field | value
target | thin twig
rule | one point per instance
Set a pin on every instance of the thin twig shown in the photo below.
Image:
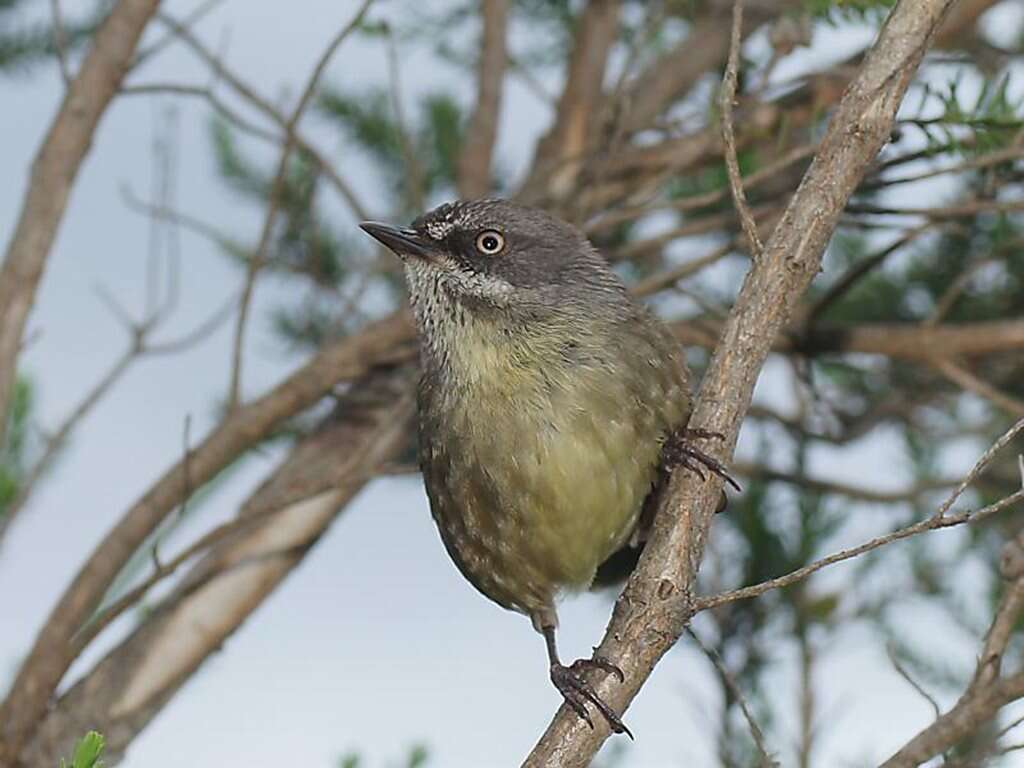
(249, 94)
(730, 681)
(60, 42)
(110, 613)
(195, 225)
(821, 485)
(205, 93)
(929, 524)
(844, 284)
(695, 202)
(138, 347)
(952, 294)
(959, 211)
(187, 23)
(985, 695)
(259, 257)
(998, 157)
(671, 277)
(729, 136)
(963, 378)
(980, 465)
(939, 520)
(902, 671)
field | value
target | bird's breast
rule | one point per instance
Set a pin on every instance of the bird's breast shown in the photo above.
(537, 465)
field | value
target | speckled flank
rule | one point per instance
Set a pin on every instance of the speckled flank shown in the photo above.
(540, 438)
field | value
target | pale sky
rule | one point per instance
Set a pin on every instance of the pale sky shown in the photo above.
(375, 642)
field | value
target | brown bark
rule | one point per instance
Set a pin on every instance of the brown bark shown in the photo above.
(576, 109)
(561, 153)
(54, 171)
(53, 651)
(658, 600)
(474, 165)
(904, 341)
(673, 75)
(291, 509)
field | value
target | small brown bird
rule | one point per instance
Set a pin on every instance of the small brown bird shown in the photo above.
(548, 400)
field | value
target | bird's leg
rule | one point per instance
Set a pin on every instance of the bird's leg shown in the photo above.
(575, 689)
(680, 451)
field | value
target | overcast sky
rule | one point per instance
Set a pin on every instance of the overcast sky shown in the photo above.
(375, 642)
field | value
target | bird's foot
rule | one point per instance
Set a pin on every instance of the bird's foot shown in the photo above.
(680, 451)
(576, 691)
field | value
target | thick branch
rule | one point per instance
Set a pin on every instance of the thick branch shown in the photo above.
(478, 148)
(131, 685)
(904, 341)
(53, 173)
(52, 652)
(656, 605)
(560, 153)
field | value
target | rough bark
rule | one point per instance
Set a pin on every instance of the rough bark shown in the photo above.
(657, 603)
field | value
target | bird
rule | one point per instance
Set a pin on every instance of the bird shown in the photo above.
(550, 401)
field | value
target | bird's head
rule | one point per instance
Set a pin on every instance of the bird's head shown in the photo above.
(499, 259)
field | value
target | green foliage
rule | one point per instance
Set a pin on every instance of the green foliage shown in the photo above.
(24, 46)
(87, 753)
(839, 11)
(238, 171)
(16, 451)
(303, 244)
(992, 118)
(433, 139)
(779, 523)
(417, 757)
(985, 247)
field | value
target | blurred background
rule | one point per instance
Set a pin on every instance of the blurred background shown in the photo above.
(328, 627)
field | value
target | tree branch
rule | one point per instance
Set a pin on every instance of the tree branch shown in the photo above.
(988, 692)
(474, 164)
(277, 188)
(657, 603)
(54, 171)
(729, 135)
(904, 341)
(51, 654)
(248, 93)
(275, 529)
(560, 153)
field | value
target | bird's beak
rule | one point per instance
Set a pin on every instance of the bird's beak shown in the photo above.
(404, 242)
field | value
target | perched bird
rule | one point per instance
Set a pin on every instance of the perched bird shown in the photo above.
(548, 400)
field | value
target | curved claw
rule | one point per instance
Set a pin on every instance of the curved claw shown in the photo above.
(577, 691)
(679, 451)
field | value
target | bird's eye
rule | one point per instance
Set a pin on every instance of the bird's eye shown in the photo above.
(490, 242)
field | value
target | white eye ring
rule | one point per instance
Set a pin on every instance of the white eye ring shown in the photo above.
(490, 242)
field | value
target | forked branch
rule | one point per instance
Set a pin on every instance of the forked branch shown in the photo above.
(657, 603)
